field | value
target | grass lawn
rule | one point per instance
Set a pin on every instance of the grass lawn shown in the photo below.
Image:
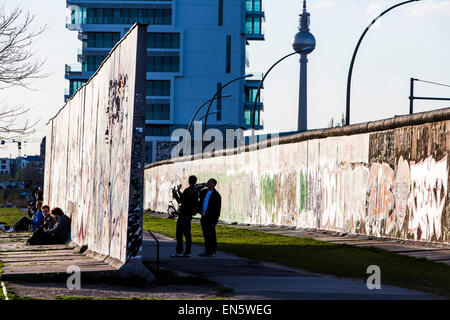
(11, 215)
(321, 257)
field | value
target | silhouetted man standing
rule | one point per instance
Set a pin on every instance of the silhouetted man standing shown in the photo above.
(189, 203)
(209, 207)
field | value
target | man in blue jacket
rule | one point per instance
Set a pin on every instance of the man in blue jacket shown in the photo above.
(25, 224)
(209, 208)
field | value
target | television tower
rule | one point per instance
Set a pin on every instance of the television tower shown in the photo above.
(304, 43)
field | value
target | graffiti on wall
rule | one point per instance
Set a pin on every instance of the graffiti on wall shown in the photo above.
(392, 192)
(380, 207)
(412, 197)
(426, 200)
(96, 162)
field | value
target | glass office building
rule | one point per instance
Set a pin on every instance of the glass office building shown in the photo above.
(193, 48)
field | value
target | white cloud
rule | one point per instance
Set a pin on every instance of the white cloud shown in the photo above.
(430, 7)
(322, 4)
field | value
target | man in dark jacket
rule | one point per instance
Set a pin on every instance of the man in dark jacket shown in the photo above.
(59, 234)
(49, 220)
(188, 205)
(209, 207)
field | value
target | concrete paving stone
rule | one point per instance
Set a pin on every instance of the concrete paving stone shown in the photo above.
(22, 260)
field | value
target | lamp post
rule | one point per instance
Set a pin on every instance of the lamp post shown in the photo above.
(188, 132)
(220, 90)
(199, 108)
(303, 44)
(349, 78)
(258, 93)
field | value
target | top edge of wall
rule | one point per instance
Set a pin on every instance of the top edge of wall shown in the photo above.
(99, 68)
(360, 128)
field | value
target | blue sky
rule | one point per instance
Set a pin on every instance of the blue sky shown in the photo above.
(410, 41)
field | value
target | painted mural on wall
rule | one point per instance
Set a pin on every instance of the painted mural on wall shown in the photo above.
(387, 184)
(96, 164)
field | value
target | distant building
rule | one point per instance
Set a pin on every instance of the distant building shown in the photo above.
(5, 166)
(42, 151)
(23, 162)
(193, 48)
(9, 184)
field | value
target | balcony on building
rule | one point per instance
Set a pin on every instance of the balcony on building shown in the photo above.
(76, 72)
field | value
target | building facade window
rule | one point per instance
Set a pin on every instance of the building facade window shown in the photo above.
(219, 102)
(253, 25)
(74, 85)
(248, 117)
(228, 57)
(101, 39)
(220, 12)
(83, 15)
(157, 111)
(160, 40)
(157, 88)
(163, 64)
(157, 130)
(92, 63)
(250, 95)
(253, 5)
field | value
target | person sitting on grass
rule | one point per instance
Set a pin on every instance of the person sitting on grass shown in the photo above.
(25, 224)
(59, 234)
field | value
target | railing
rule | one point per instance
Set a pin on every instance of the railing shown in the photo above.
(72, 68)
(157, 249)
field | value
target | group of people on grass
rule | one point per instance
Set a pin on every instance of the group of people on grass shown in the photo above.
(48, 226)
(203, 199)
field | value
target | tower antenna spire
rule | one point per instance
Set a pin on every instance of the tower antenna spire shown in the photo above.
(304, 43)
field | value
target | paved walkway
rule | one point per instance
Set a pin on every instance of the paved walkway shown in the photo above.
(259, 280)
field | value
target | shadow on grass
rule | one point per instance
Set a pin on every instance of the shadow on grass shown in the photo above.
(352, 262)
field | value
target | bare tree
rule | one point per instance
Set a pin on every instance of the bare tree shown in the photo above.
(19, 65)
(18, 62)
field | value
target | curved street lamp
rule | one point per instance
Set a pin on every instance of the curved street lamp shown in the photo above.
(258, 93)
(300, 51)
(188, 132)
(199, 108)
(217, 92)
(349, 78)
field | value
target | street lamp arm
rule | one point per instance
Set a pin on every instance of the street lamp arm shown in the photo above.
(198, 110)
(349, 78)
(217, 92)
(203, 117)
(261, 84)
